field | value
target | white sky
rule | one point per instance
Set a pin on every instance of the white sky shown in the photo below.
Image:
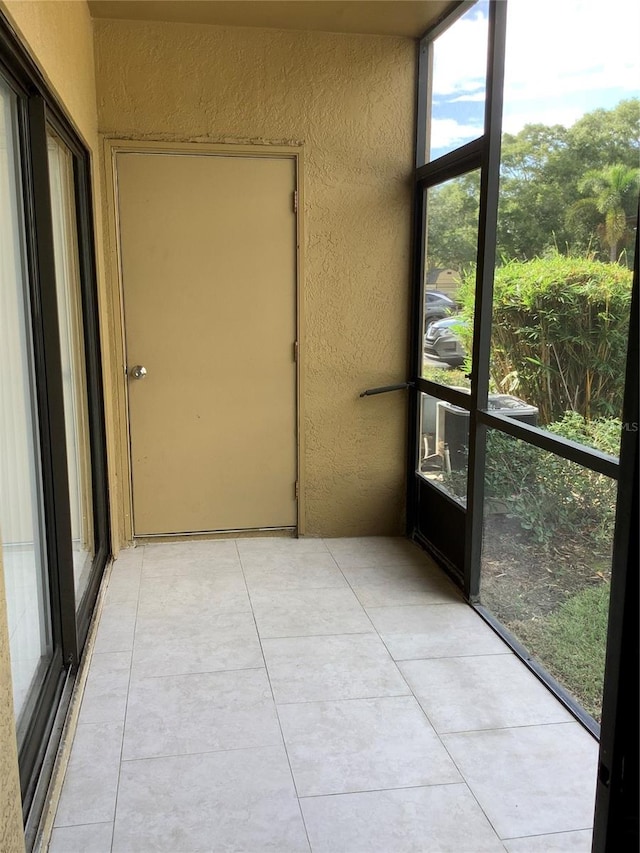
(564, 58)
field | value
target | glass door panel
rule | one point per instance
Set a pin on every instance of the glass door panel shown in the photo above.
(566, 225)
(546, 560)
(567, 219)
(72, 352)
(451, 248)
(444, 446)
(458, 83)
(21, 510)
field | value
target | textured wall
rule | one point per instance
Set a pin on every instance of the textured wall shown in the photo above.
(59, 36)
(349, 100)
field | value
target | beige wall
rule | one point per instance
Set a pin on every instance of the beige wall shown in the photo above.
(349, 100)
(58, 34)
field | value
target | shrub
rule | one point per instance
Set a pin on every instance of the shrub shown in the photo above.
(559, 334)
(551, 497)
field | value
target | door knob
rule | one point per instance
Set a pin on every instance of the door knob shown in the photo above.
(138, 372)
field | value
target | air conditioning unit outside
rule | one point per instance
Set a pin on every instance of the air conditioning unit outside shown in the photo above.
(452, 425)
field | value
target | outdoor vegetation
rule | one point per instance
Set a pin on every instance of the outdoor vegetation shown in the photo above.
(573, 190)
(562, 290)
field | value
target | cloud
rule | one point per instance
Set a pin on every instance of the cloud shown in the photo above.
(566, 116)
(447, 133)
(564, 58)
(460, 55)
(477, 97)
(565, 47)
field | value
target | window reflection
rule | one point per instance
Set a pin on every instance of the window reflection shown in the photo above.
(21, 514)
(73, 359)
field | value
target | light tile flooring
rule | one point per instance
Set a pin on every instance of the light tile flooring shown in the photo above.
(328, 695)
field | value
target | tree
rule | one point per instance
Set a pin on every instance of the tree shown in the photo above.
(543, 202)
(533, 191)
(602, 137)
(453, 202)
(615, 190)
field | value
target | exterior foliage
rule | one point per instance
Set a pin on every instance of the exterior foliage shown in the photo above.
(553, 499)
(616, 192)
(559, 334)
(573, 190)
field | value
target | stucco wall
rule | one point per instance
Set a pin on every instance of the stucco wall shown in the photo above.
(59, 36)
(349, 100)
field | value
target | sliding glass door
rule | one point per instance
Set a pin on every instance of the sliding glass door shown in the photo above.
(34, 646)
(53, 512)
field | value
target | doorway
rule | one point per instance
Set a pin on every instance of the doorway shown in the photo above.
(208, 247)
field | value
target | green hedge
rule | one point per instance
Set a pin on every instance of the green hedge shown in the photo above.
(554, 499)
(559, 334)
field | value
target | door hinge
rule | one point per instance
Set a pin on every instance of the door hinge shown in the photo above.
(296, 489)
(295, 201)
(295, 350)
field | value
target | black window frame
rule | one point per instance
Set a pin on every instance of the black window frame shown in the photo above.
(38, 108)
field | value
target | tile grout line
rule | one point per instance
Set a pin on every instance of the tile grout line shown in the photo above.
(346, 699)
(126, 708)
(374, 632)
(275, 706)
(461, 783)
(466, 781)
(199, 672)
(455, 764)
(545, 834)
(517, 727)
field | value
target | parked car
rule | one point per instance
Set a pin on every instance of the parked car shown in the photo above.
(437, 306)
(442, 344)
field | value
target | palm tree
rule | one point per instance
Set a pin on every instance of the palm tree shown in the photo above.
(614, 190)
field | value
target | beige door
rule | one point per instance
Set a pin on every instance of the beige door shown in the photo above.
(208, 253)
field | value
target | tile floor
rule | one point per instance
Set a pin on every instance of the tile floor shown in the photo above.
(334, 696)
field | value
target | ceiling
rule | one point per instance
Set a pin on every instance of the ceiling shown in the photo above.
(408, 18)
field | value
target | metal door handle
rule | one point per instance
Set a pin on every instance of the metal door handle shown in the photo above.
(138, 372)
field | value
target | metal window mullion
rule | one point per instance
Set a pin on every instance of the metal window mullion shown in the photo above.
(451, 165)
(443, 392)
(580, 454)
(425, 62)
(488, 218)
(95, 393)
(618, 758)
(415, 353)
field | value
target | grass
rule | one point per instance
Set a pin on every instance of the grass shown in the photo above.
(571, 644)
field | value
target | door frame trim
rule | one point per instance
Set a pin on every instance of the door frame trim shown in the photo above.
(111, 147)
